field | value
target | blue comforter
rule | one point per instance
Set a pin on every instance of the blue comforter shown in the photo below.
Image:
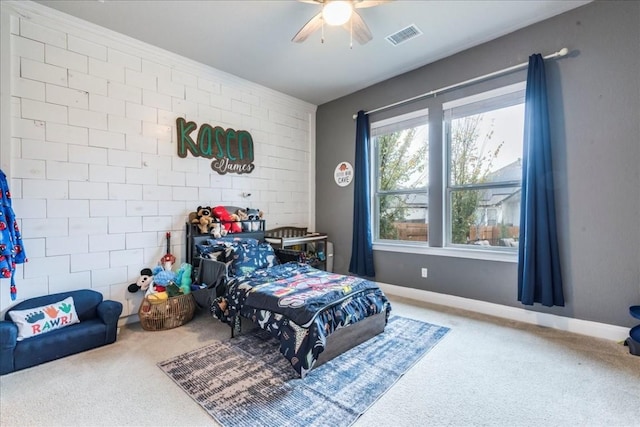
(301, 306)
(300, 292)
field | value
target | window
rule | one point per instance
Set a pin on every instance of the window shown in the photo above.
(400, 177)
(464, 199)
(483, 138)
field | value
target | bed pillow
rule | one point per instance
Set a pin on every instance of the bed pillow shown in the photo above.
(233, 240)
(220, 253)
(40, 320)
(248, 258)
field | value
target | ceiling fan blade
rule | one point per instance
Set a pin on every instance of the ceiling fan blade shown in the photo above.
(358, 4)
(359, 28)
(312, 1)
(310, 27)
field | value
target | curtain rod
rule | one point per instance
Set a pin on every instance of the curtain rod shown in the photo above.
(562, 52)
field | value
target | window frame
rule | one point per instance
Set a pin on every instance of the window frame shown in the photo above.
(438, 175)
(375, 193)
(508, 93)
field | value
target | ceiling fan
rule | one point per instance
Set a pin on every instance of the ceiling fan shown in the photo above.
(339, 13)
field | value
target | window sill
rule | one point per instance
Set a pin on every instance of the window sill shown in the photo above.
(478, 254)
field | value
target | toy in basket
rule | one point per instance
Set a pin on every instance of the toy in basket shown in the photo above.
(168, 302)
(159, 315)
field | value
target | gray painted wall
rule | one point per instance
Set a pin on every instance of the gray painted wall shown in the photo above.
(595, 119)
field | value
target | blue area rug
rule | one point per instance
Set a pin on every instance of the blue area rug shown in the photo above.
(247, 382)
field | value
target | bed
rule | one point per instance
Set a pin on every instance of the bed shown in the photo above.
(316, 315)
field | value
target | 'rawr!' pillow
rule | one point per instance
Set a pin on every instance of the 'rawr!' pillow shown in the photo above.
(40, 320)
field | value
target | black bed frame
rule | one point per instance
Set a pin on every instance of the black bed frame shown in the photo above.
(337, 343)
(340, 341)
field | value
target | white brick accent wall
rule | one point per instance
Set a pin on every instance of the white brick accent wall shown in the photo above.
(66, 245)
(94, 169)
(28, 89)
(87, 82)
(41, 72)
(70, 97)
(85, 47)
(67, 134)
(45, 34)
(44, 111)
(28, 48)
(65, 59)
(67, 208)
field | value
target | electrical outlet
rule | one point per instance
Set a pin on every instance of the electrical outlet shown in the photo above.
(424, 272)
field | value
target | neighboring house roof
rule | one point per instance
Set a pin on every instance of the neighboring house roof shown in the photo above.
(497, 196)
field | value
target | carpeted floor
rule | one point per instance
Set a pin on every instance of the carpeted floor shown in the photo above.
(486, 372)
(246, 381)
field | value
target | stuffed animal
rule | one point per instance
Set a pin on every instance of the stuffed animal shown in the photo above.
(236, 225)
(244, 219)
(228, 221)
(203, 218)
(173, 290)
(183, 278)
(162, 277)
(156, 292)
(254, 216)
(217, 230)
(157, 297)
(144, 281)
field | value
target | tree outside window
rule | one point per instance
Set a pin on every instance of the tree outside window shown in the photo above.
(484, 148)
(401, 173)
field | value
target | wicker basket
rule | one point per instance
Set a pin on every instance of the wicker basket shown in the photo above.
(174, 312)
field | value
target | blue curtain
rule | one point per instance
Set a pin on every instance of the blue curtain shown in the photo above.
(361, 242)
(539, 276)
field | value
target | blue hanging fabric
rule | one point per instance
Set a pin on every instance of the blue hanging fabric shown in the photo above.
(11, 249)
(361, 243)
(539, 274)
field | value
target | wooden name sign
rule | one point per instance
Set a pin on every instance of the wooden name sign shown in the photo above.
(232, 150)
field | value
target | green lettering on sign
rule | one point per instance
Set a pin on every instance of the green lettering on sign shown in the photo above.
(232, 148)
(245, 137)
(205, 141)
(184, 139)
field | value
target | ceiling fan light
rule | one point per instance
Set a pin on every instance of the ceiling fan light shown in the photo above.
(337, 12)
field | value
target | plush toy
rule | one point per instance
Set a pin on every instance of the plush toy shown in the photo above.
(157, 297)
(173, 290)
(217, 230)
(203, 218)
(144, 281)
(254, 216)
(244, 219)
(156, 290)
(236, 225)
(183, 278)
(162, 277)
(228, 221)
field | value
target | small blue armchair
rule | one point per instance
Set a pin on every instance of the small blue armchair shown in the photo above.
(98, 326)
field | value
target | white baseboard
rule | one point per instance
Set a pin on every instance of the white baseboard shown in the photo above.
(583, 327)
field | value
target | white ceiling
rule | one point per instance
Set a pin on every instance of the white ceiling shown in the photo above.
(252, 38)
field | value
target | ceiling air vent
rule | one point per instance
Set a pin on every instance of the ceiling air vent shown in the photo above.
(404, 35)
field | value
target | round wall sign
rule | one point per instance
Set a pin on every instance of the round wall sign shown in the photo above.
(343, 174)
